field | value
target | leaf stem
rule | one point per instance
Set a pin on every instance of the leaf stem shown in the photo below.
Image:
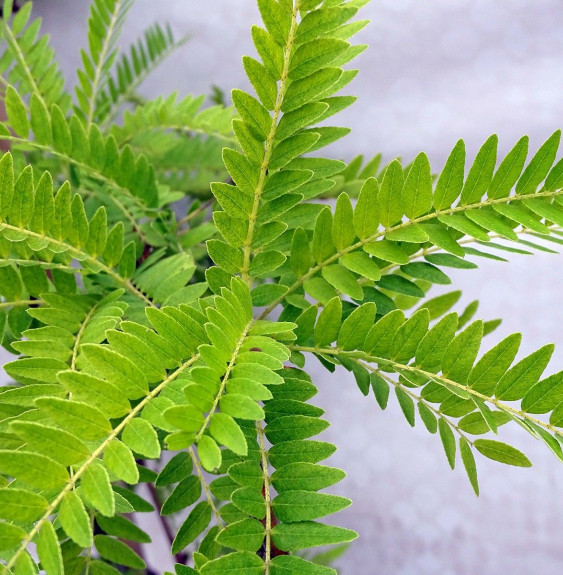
(382, 233)
(269, 145)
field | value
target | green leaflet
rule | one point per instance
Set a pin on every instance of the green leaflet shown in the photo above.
(450, 182)
(34, 469)
(97, 489)
(196, 522)
(21, 505)
(481, 172)
(390, 209)
(49, 551)
(416, 195)
(294, 536)
(516, 381)
(224, 430)
(52, 442)
(469, 463)
(245, 535)
(186, 493)
(119, 459)
(293, 565)
(501, 452)
(242, 562)
(539, 166)
(294, 506)
(75, 520)
(117, 552)
(461, 353)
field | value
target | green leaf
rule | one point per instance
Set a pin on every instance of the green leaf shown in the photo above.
(241, 563)
(378, 340)
(79, 419)
(539, 166)
(356, 327)
(52, 442)
(121, 462)
(388, 251)
(293, 506)
(365, 220)
(226, 432)
(416, 196)
(245, 535)
(509, 170)
(34, 469)
(314, 55)
(461, 353)
(74, 520)
(294, 536)
(545, 395)
(277, 19)
(140, 436)
(294, 565)
(448, 441)
(362, 264)
(254, 114)
(17, 113)
(501, 452)
(475, 423)
(291, 148)
(186, 493)
(209, 453)
(116, 368)
(328, 323)
(97, 489)
(427, 272)
(380, 389)
(175, 470)
(389, 205)
(49, 551)
(250, 501)
(266, 262)
(305, 476)
(409, 335)
(343, 280)
(118, 552)
(241, 407)
(300, 451)
(516, 382)
(262, 81)
(301, 92)
(481, 172)
(342, 228)
(450, 182)
(270, 52)
(196, 522)
(494, 364)
(301, 259)
(21, 505)
(185, 417)
(406, 404)
(123, 528)
(10, 536)
(434, 343)
(469, 463)
(400, 284)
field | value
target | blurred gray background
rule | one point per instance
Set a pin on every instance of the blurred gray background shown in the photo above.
(436, 71)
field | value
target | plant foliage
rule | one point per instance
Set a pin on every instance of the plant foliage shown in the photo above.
(168, 348)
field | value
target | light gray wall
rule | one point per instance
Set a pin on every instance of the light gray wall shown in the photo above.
(436, 71)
